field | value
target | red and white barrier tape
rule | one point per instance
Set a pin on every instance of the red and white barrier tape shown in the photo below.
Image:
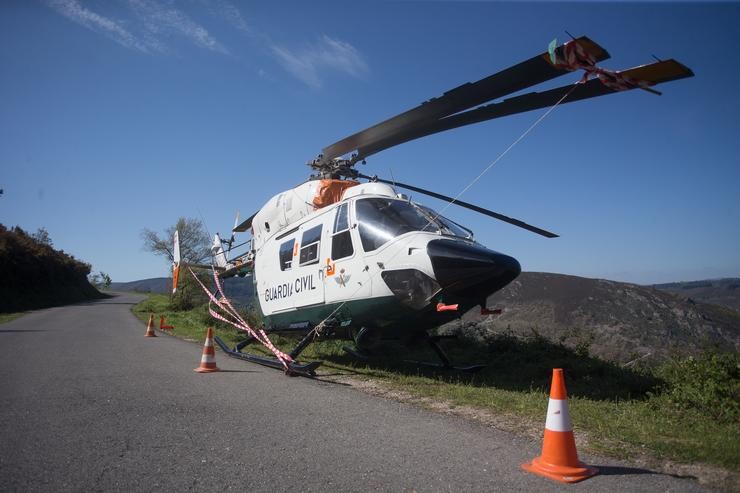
(238, 322)
(576, 58)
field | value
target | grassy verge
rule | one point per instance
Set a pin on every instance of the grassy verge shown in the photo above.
(7, 317)
(687, 410)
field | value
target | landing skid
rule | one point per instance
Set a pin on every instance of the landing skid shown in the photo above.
(294, 368)
(446, 364)
(356, 353)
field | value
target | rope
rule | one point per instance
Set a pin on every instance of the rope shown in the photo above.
(318, 328)
(509, 148)
(574, 58)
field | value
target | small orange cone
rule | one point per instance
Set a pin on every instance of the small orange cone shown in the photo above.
(150, 327)
(208, 359)
(162, 326)
(559, 459)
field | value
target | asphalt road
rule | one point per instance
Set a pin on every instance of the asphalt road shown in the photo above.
(89, 404)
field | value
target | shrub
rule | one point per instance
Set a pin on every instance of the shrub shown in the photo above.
(709, 383)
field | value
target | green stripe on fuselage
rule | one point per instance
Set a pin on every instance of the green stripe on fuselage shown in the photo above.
(384, 313)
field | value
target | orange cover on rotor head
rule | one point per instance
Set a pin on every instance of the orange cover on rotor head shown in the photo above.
(330, 191)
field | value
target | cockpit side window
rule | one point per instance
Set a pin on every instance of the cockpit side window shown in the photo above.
(341, 240)
(310, 246)
(286, 254)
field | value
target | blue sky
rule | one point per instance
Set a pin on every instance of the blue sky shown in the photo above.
(121, 115)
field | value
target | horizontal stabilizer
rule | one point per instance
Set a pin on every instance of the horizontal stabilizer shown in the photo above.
(245, 225)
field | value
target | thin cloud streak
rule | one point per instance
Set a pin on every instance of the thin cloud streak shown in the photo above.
(73, 10)
(159, 19)
(230, 13)
(310, 63)
(150, 23)
(154, 19)
(298, 66)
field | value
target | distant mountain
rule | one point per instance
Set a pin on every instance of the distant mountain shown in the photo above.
(153, 285)
(613, 320)
(616, 321)
(238, 289)
(725, 292)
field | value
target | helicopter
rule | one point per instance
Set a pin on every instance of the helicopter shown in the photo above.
(337, 257)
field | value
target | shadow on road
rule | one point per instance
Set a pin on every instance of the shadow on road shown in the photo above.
(236, 371)
(629, 471)
(22, 330)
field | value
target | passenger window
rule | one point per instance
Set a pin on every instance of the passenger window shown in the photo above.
(310, 246)
(286, 254)
(341, 240)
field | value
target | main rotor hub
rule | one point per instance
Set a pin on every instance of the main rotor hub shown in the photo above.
(334, 169)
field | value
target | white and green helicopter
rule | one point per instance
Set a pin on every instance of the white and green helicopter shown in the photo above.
(339, 257)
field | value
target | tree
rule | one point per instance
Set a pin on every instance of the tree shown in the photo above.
(195, 244)
(105, 279)
(42, 236)
(195, 248)
(94, 279)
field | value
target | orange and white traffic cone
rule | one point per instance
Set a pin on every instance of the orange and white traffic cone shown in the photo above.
(559, 459)
(162, 326)
(208, 359)
(150, 327)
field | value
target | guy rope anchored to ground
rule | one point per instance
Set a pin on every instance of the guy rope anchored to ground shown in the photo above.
(574, 57)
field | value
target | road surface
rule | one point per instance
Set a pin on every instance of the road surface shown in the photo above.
(89, 404)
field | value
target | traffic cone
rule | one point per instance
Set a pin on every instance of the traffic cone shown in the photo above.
(162, 326)
(150, 327)
(208, 359)
(559, 459)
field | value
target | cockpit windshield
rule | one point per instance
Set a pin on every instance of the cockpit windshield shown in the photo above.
(448, 227)
(382, 219)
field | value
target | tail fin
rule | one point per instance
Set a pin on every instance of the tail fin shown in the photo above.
(175, 261)
(217, 250)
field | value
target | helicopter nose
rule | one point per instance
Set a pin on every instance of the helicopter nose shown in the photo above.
(470, 270)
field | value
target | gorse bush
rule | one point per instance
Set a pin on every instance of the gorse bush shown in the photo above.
(708, 383)
(35, 275)
(189, 293)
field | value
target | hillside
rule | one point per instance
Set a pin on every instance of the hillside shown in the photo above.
(238, 289)
(35, 275)
(159, 285)
(616, 321)
(725, 292)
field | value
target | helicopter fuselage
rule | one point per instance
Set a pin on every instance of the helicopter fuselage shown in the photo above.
(373, 260)
(334, 252)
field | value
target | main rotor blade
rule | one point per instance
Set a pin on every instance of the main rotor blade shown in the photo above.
(655, 73)
(534, 71)
(496, 215)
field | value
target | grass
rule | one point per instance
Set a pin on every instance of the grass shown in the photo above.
(7, 317)
(686, 410)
